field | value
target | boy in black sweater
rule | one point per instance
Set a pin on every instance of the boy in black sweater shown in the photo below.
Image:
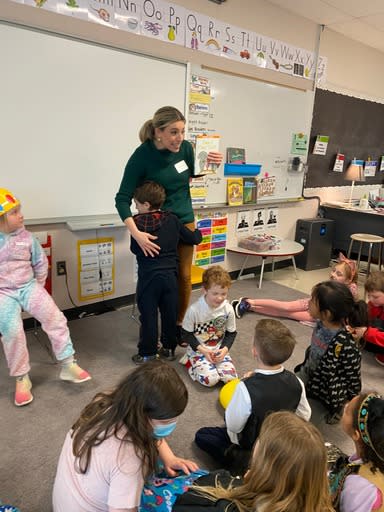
(157, 288)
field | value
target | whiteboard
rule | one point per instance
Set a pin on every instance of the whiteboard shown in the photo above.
(70, 116)
(261, 118)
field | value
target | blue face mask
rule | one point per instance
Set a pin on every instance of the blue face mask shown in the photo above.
(160, 431)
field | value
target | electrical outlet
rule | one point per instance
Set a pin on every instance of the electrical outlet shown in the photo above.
(61, 268)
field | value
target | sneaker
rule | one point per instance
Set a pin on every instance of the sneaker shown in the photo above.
(379, 358)
(138, 359)
(167, 353)
(241, 307)
(23, 395)
(73, 373)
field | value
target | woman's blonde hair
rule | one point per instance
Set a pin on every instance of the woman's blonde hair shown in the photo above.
(161, 119)
(288, 470)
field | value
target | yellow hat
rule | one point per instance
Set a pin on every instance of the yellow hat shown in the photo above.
(7, 201)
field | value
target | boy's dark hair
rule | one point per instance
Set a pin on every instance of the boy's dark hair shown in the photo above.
(216, 275)
(334, 297)
(358, 317)
(375, 282)
(273, 341)
(152, 193)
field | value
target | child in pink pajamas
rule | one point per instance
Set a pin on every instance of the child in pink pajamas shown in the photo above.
(344, 272)
(23, 271)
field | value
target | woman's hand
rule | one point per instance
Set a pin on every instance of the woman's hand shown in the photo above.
(214, 157)
(144, 240)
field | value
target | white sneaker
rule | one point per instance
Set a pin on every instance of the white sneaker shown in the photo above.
(73, 373)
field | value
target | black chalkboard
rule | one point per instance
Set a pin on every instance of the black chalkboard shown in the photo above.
(355, 128)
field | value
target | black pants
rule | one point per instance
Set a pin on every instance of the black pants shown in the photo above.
(157, 294)
(215, 441)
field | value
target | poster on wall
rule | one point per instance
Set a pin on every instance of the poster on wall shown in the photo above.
(213, 228)
(272, 217)
(96, 269)
(243, 221)
(259, 220)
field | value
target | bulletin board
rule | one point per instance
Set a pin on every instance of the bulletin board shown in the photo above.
(261, 118)
(71, 113)
(355, 128)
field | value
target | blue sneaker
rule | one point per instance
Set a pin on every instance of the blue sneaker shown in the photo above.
(138, 359)
(241, 307)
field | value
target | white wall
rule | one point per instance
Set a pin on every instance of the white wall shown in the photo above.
(258, 15)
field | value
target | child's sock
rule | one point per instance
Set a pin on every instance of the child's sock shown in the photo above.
(23, 395)
(72, 372)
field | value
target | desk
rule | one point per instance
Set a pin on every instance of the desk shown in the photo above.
(288, 249)
(352, 220)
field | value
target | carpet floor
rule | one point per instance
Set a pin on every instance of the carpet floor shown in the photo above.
(32, 436)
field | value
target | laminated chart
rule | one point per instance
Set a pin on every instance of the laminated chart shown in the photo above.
(213, 228)
(96, 268)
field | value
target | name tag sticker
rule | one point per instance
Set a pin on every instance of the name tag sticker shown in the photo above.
(181, 166)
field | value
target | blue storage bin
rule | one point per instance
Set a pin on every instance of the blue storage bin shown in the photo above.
(242, 169)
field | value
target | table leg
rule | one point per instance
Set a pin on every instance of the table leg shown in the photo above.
(294, 267)
(242, 268)
(262, 271)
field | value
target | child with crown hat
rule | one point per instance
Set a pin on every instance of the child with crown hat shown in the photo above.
(23, 271)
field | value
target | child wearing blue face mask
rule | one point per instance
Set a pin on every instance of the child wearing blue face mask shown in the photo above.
(115, 444)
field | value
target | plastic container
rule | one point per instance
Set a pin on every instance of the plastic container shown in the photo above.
(242, 169)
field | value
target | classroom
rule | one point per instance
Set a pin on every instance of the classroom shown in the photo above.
(297, 87)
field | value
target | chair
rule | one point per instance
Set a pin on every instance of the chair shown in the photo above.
(372, 240)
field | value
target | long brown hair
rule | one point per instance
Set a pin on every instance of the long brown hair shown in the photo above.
(162, 118)
(288, 470)
(151, 391)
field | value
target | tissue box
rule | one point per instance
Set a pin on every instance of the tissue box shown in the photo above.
(259, 243)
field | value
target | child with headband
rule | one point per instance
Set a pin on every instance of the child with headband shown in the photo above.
(357, 482)
(344, 271)
(23, 271)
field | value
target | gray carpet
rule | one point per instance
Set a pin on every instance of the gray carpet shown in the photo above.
(32, 436)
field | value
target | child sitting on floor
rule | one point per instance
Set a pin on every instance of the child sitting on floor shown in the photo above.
(357, 482)
(331, 369)
(343, 272)
(270, 387)
(23, 271)
(287, 473)
(373, 335)
(209, 328)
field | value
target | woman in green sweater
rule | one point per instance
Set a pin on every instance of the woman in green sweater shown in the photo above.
(165, 157)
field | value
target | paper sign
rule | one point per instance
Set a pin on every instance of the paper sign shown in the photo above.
(370, 168)
(321, 145)
(299, 144)
(339, 163)
(382, 164)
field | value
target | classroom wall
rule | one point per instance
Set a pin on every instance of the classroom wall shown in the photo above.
(365, 81)
(266, 19)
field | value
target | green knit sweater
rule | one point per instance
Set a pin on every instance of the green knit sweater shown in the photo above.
(165, 168)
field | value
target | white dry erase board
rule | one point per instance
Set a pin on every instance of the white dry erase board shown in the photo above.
(70, 116)
(261, 118)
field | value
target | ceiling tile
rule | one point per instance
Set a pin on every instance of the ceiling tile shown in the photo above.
(315, 10)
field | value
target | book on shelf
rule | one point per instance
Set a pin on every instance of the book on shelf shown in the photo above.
(236, 156)
(203, 145)
(249, 190)
(234, 191)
